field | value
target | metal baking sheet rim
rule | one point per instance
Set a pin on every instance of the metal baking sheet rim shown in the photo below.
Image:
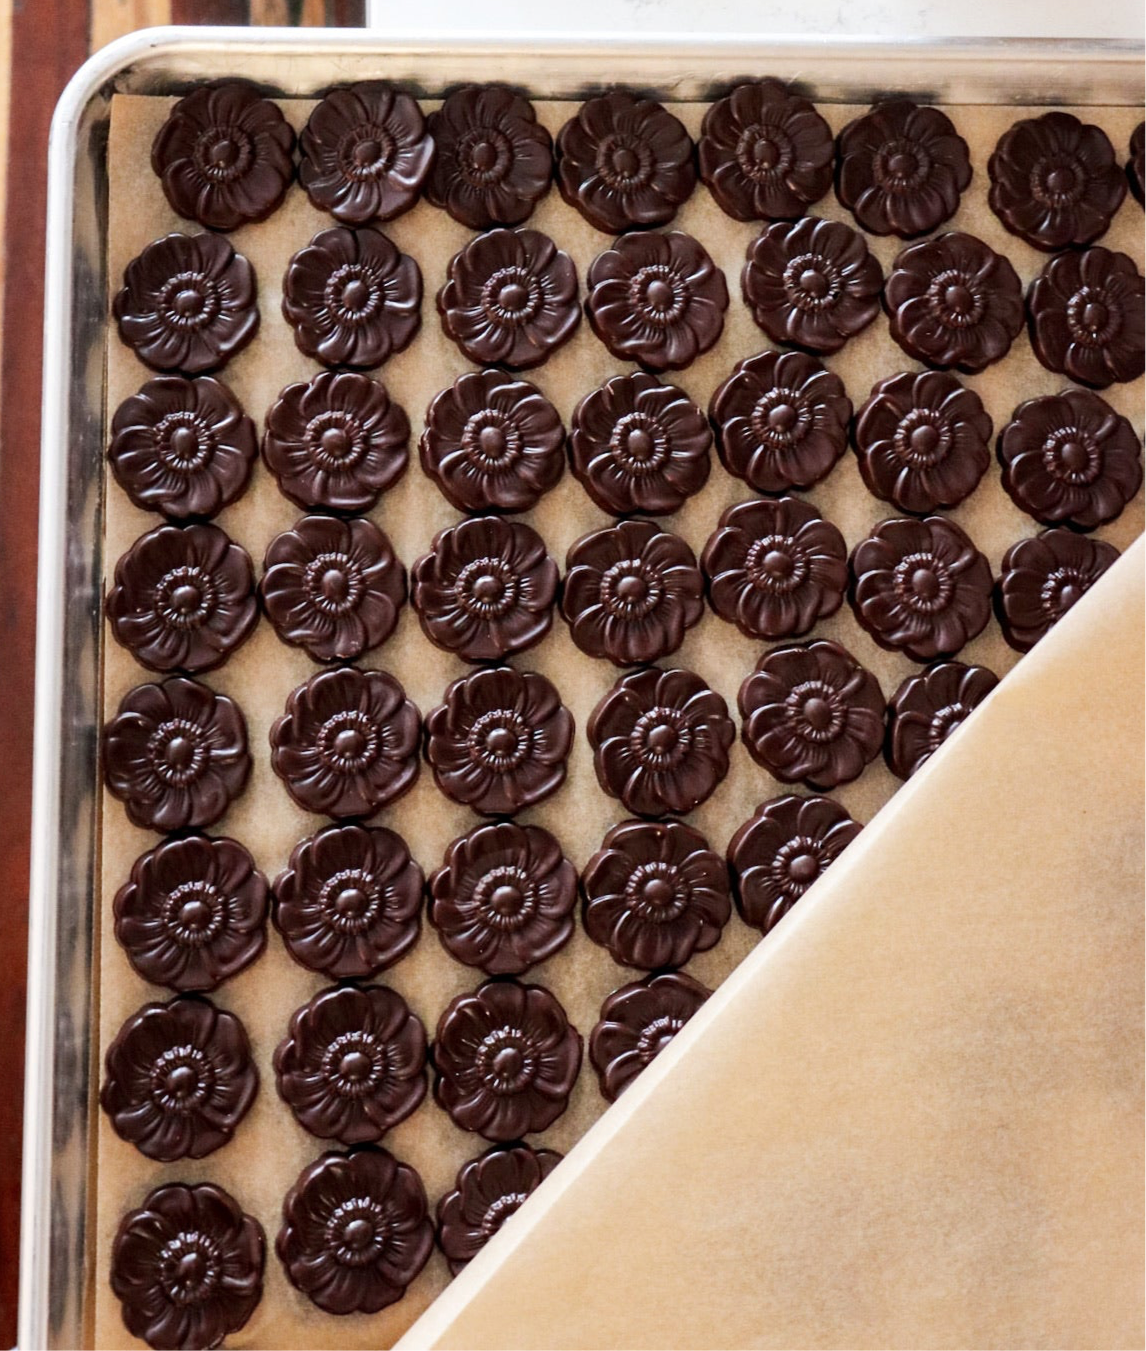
(54, 1264)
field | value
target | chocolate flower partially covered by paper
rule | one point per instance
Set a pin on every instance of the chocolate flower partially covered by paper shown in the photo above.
(637, 1022)
(487, 1192)
(926, 709)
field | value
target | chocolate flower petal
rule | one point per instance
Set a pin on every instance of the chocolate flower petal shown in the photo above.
(637, 1022)
(1041, 578)
(1135, 170)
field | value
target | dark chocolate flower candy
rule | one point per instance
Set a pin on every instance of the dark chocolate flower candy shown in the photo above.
(901, 169)
(639, 445)
(926, 709)
(921, 587)
(954, 301)
(624, 161)
(365, 151)
(506, 1058)
(493, 443)
(347, 743)
(178, 1079)
(765, 153)
(655, 894)
(486, 589)
(1041, 578)
(1055, 181)
(922, 441)
(337, 442)
(187, 1266)
(352, 1064)
(812, 713)
(182, 447)
(175, 754)
(224, 155)
(352, 298)
(494, 159)
(332, 587)
(349, 905)
(188, 303)
(630, 592)
(775, 569)
(657, 299)
(1136, 167)
(487, 1192)
(1070, 457)
(811, 283)
(777, 855)
(355, 1231)
(500, 740)
(637, 1022)
(510, 299)
(193, 913)
(660, 741)
(1087, 317)
(781, 421)
(184, 598)
(503, 899)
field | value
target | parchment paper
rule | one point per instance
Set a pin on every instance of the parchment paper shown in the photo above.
(269, 1148)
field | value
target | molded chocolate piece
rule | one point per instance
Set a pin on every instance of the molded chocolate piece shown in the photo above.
(1041, 578)
(637, 1022)
(1136, 167)
(926, 709)
(660, 741)
(487, 1192)
(506, 1058)
(812, 713)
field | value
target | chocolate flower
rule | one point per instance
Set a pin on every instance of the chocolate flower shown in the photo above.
(347, 743)
(765, 153)
(639, 445)
(182, 447)
(811, 283)
(178, 1079)
(352, 298)
(336, 443)
(176, 754)
(813, 713)
(927, 708)
(922, 441)
(183, 598)
(365, 151)
(353, 1063)
(493, 159)
(493, 443)
(1136, 168)
(660, 741)
(503, 899)
(1087, 316)
(954, 301)
(901, 169)
(349, 905)
(355, 1231)
(188, 303)
(657, 299)
(775, 568)
(500, 741)
(1055, 181)
(624, 161)
(921, 587)
(187, 1267)
(1041, 578)
(777, 855)
(487, 1192)
(506, 1059)
(781, 421)
(1070, 457)
(332, 587)
(637, 1022)
(630, 592)
(510, 299)
(486, 589)
(224, 155)
(655, 894)
(193, 913)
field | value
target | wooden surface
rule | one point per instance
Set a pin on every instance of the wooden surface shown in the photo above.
(42, 44)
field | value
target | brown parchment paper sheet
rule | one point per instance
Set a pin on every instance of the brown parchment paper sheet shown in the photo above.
(269, 1148)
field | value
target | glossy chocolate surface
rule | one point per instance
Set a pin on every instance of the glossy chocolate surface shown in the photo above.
(487, 1192)
(1041, 578)
(926, 709)
(637, 1022)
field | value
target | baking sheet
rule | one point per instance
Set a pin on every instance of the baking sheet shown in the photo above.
(270, 1148)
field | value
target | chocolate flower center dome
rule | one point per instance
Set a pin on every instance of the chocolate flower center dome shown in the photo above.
(333, 583)
(505, 1063)
(631, 589)
(658, 294)
(657, 893)
(923, 438)
(776, 564)
(1058, 180)
(1062, 588)
(335, 441)
(348, 742)
(194, 913)
(625, 162)
(357, 1231)
(1072, 455)
(923, 583)
(499, 740)
(816, 711)
(184, 443)
(189, 1269)
(222, 154)
(500, 1210)
(491, 441)
(661, 738)
(484, 156)
(656, 1036)
(901, 165)
(954, 300)
(185, 598)
(366, 151)
(797, 864)
(765, 152)
(176, 751)
(781, 418)
(812, 282)
(188, 300)
(512, 295)
(1093, 316)
(506, 897)
(181, 1078)
(349, 900)
(487, 588)
(638, 444)
(354, 294)
(354, 1064)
